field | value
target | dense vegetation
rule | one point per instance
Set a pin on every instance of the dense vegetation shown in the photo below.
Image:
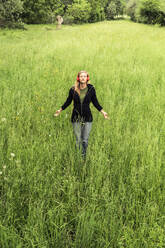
(147, 11)
(10, 13)
(48, 197)
(14, 12)
(77, 11)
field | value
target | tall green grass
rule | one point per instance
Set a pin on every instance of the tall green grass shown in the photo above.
(48, 196)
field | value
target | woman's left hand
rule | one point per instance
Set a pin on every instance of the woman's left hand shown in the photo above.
(105, 114)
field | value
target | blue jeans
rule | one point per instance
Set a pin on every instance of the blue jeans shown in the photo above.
(82, 131)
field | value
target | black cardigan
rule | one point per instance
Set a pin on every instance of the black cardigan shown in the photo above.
(82, 112)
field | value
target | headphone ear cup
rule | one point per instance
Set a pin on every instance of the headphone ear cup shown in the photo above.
(78, 79)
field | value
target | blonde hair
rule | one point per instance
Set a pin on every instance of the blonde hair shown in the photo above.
(77, 83)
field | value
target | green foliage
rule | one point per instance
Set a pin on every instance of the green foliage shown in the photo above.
(131, 9)
(79, 10)
(111, 10)
(149, 11)
(114, 8)
(42, 11)
(120, 5)
(161, 18)
(10, 12)
(68, 19)
(97, 14)
(97, 11)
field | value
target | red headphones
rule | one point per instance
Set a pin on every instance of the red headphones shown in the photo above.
(78, 79)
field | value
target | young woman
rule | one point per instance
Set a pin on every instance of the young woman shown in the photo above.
(82, 93)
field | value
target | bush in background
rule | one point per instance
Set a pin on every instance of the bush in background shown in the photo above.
(68, 19)
(131, 9)
(42, 11)
(148, 11)
(97, 14)
(111, 11)
(115, 8)
(79, 10)
(161, 18)
(10, 12)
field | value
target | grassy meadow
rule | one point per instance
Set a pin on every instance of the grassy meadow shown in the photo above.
(48, 196)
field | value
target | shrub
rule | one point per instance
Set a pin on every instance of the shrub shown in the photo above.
(97, 14)
(10, 12)
(161, 18)
(148, 11)
(69, 20)
(131, 9)
(79, 10)
(111, 11)
(115, 8)
(42, 11)
(120, 6)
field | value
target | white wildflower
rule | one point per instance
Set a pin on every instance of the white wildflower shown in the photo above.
(0, 172)
(12, 154)
(4, 167)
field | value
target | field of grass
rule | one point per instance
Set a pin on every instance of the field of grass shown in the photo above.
(48, 196)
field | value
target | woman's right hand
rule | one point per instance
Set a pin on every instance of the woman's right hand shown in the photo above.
(58, 112)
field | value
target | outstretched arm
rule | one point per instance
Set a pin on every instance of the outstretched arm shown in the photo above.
(97, 105)
(66, 104)
(95, 101)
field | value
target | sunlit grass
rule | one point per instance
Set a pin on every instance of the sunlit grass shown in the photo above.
(49, 197)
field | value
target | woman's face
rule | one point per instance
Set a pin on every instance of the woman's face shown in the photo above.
(83, 78)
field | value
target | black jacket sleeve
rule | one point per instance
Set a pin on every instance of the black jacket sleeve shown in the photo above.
(95, 101)
(68, 100)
